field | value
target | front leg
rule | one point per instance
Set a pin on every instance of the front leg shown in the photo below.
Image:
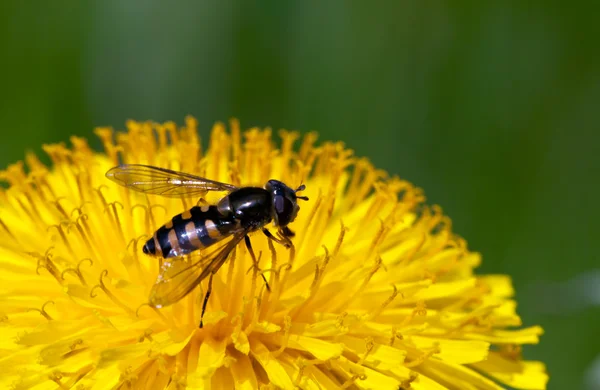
(287, 232)
(285, 241)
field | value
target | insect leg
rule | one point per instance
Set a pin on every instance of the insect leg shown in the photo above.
(285, 241)
(249, 246)
(206, 296)
(287, 232)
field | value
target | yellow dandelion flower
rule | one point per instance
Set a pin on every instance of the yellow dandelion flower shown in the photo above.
(376, 292)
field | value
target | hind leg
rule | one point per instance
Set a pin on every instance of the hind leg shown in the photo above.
(206, 296)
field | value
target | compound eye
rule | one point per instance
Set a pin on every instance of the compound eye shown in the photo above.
(279, 203)
(284, 209)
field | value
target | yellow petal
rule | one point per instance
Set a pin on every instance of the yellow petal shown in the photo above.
(522, 336)
(274, 369)
(210, 357)
(380, 357)
(453, 351)
(321, 349)
(450, 374)
(517, 374)
(364, 377)
(243, 373)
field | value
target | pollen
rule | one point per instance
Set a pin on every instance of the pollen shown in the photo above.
(375, 292)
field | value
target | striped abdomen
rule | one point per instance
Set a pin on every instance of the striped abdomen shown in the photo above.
(194, 229)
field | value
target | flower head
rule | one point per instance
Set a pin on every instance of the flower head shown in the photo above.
(376, 292)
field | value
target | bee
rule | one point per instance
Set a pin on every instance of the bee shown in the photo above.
(196, 243)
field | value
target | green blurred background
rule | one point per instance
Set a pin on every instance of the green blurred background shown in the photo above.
(491, 107)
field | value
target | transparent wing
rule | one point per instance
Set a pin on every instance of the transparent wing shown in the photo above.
(180, 275)
(165, 182)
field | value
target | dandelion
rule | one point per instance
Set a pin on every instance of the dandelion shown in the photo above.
(376, 292)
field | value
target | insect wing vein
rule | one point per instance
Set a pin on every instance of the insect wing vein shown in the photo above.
(180, 275)
(165, 182)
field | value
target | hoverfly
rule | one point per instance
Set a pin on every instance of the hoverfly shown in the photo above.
(208, 234)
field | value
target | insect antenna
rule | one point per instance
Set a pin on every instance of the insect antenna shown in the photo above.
(301, 188)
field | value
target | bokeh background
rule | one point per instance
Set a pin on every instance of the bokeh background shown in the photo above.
(491, 107)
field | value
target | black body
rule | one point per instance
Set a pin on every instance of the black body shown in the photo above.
(247, 208)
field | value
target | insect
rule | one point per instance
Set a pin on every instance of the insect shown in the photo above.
(196, 243)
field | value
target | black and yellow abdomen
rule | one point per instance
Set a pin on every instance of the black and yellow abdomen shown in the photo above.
(197, 228)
